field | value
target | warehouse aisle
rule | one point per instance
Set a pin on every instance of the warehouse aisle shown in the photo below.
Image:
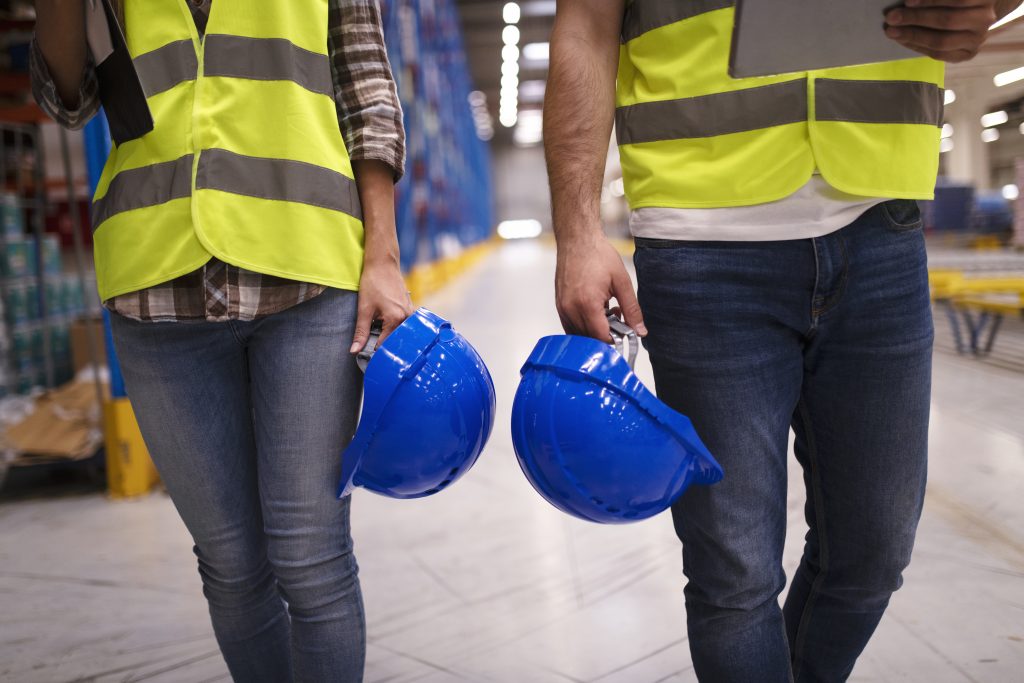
(486, 582)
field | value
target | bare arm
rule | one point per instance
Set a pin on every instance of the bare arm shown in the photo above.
(60, 33)
(382, 292)
(949, 30)
(578, 112)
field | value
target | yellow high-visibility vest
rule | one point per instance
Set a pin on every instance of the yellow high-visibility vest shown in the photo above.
(246, 161)
(692, 137)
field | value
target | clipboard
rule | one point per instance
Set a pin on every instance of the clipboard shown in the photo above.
(120, 90)
(782, 36)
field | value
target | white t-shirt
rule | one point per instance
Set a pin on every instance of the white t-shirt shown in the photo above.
(814, 210)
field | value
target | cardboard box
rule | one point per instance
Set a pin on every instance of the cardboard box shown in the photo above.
(65, 425)
(80, 354)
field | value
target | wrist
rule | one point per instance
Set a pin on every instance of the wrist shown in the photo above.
(381, 258)
(579, 235)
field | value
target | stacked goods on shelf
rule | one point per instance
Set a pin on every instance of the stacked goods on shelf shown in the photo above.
(24, 327)
(444, 201)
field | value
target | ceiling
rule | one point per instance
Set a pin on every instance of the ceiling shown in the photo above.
(482, 24)
(1003, 51)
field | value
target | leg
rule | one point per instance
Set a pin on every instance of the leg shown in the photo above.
(725, 328)
(306, 389)
(189, 387)
(862, 430)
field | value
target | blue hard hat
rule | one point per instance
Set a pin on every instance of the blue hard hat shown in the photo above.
(594, 442)
(428, 409)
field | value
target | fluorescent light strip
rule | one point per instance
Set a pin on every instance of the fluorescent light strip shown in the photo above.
(1008, 77)
(995, 118)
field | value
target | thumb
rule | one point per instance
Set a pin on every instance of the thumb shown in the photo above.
(626, 298)
(362, 333)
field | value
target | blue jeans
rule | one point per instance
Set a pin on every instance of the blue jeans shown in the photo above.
(246, 422)
(830, 336)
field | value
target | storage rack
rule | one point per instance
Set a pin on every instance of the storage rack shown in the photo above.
(444, 203)
(28, 199)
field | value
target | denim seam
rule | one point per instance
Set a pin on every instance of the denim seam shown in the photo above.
(823, 560)
(843, 277)
(814, 292)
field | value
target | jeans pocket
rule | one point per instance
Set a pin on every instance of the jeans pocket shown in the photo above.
(902, 215)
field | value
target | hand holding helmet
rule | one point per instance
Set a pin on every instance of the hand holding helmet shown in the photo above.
(593, 441)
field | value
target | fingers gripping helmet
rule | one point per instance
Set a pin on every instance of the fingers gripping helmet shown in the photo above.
(593, 441)
(428, 409)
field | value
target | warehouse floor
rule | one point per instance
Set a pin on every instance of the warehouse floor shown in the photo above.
(486, 582)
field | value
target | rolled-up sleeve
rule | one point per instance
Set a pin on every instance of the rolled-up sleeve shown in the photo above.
(45, 92)
(369, 111)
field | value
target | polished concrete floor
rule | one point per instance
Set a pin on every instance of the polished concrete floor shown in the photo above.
(486, 582)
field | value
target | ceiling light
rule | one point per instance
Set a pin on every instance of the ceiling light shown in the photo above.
(536, 52)
(510, 35)
(507, 118)
(509, 81)
(509, 69)
(990, 135)
(510, 53)
(477, 98)
(947, 130)
(526, 136)
(1011, 192)
(539, 8)
(531, 120)
(949, 97)
(1021, 129)
(995, 118)
(510, 13)
(532, 90)
(946, 146)
(1008, 77)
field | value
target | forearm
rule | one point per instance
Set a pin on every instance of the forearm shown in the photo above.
(375, 181)
(60, 34)
(382, 292)
(579, 109)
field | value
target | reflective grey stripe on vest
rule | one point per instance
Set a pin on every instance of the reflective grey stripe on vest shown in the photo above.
(139, 188)
(277, 179)
(267, 59)
(912, 102)
(167, 66)
(878, 101)
(710, 115)
(646, 15)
